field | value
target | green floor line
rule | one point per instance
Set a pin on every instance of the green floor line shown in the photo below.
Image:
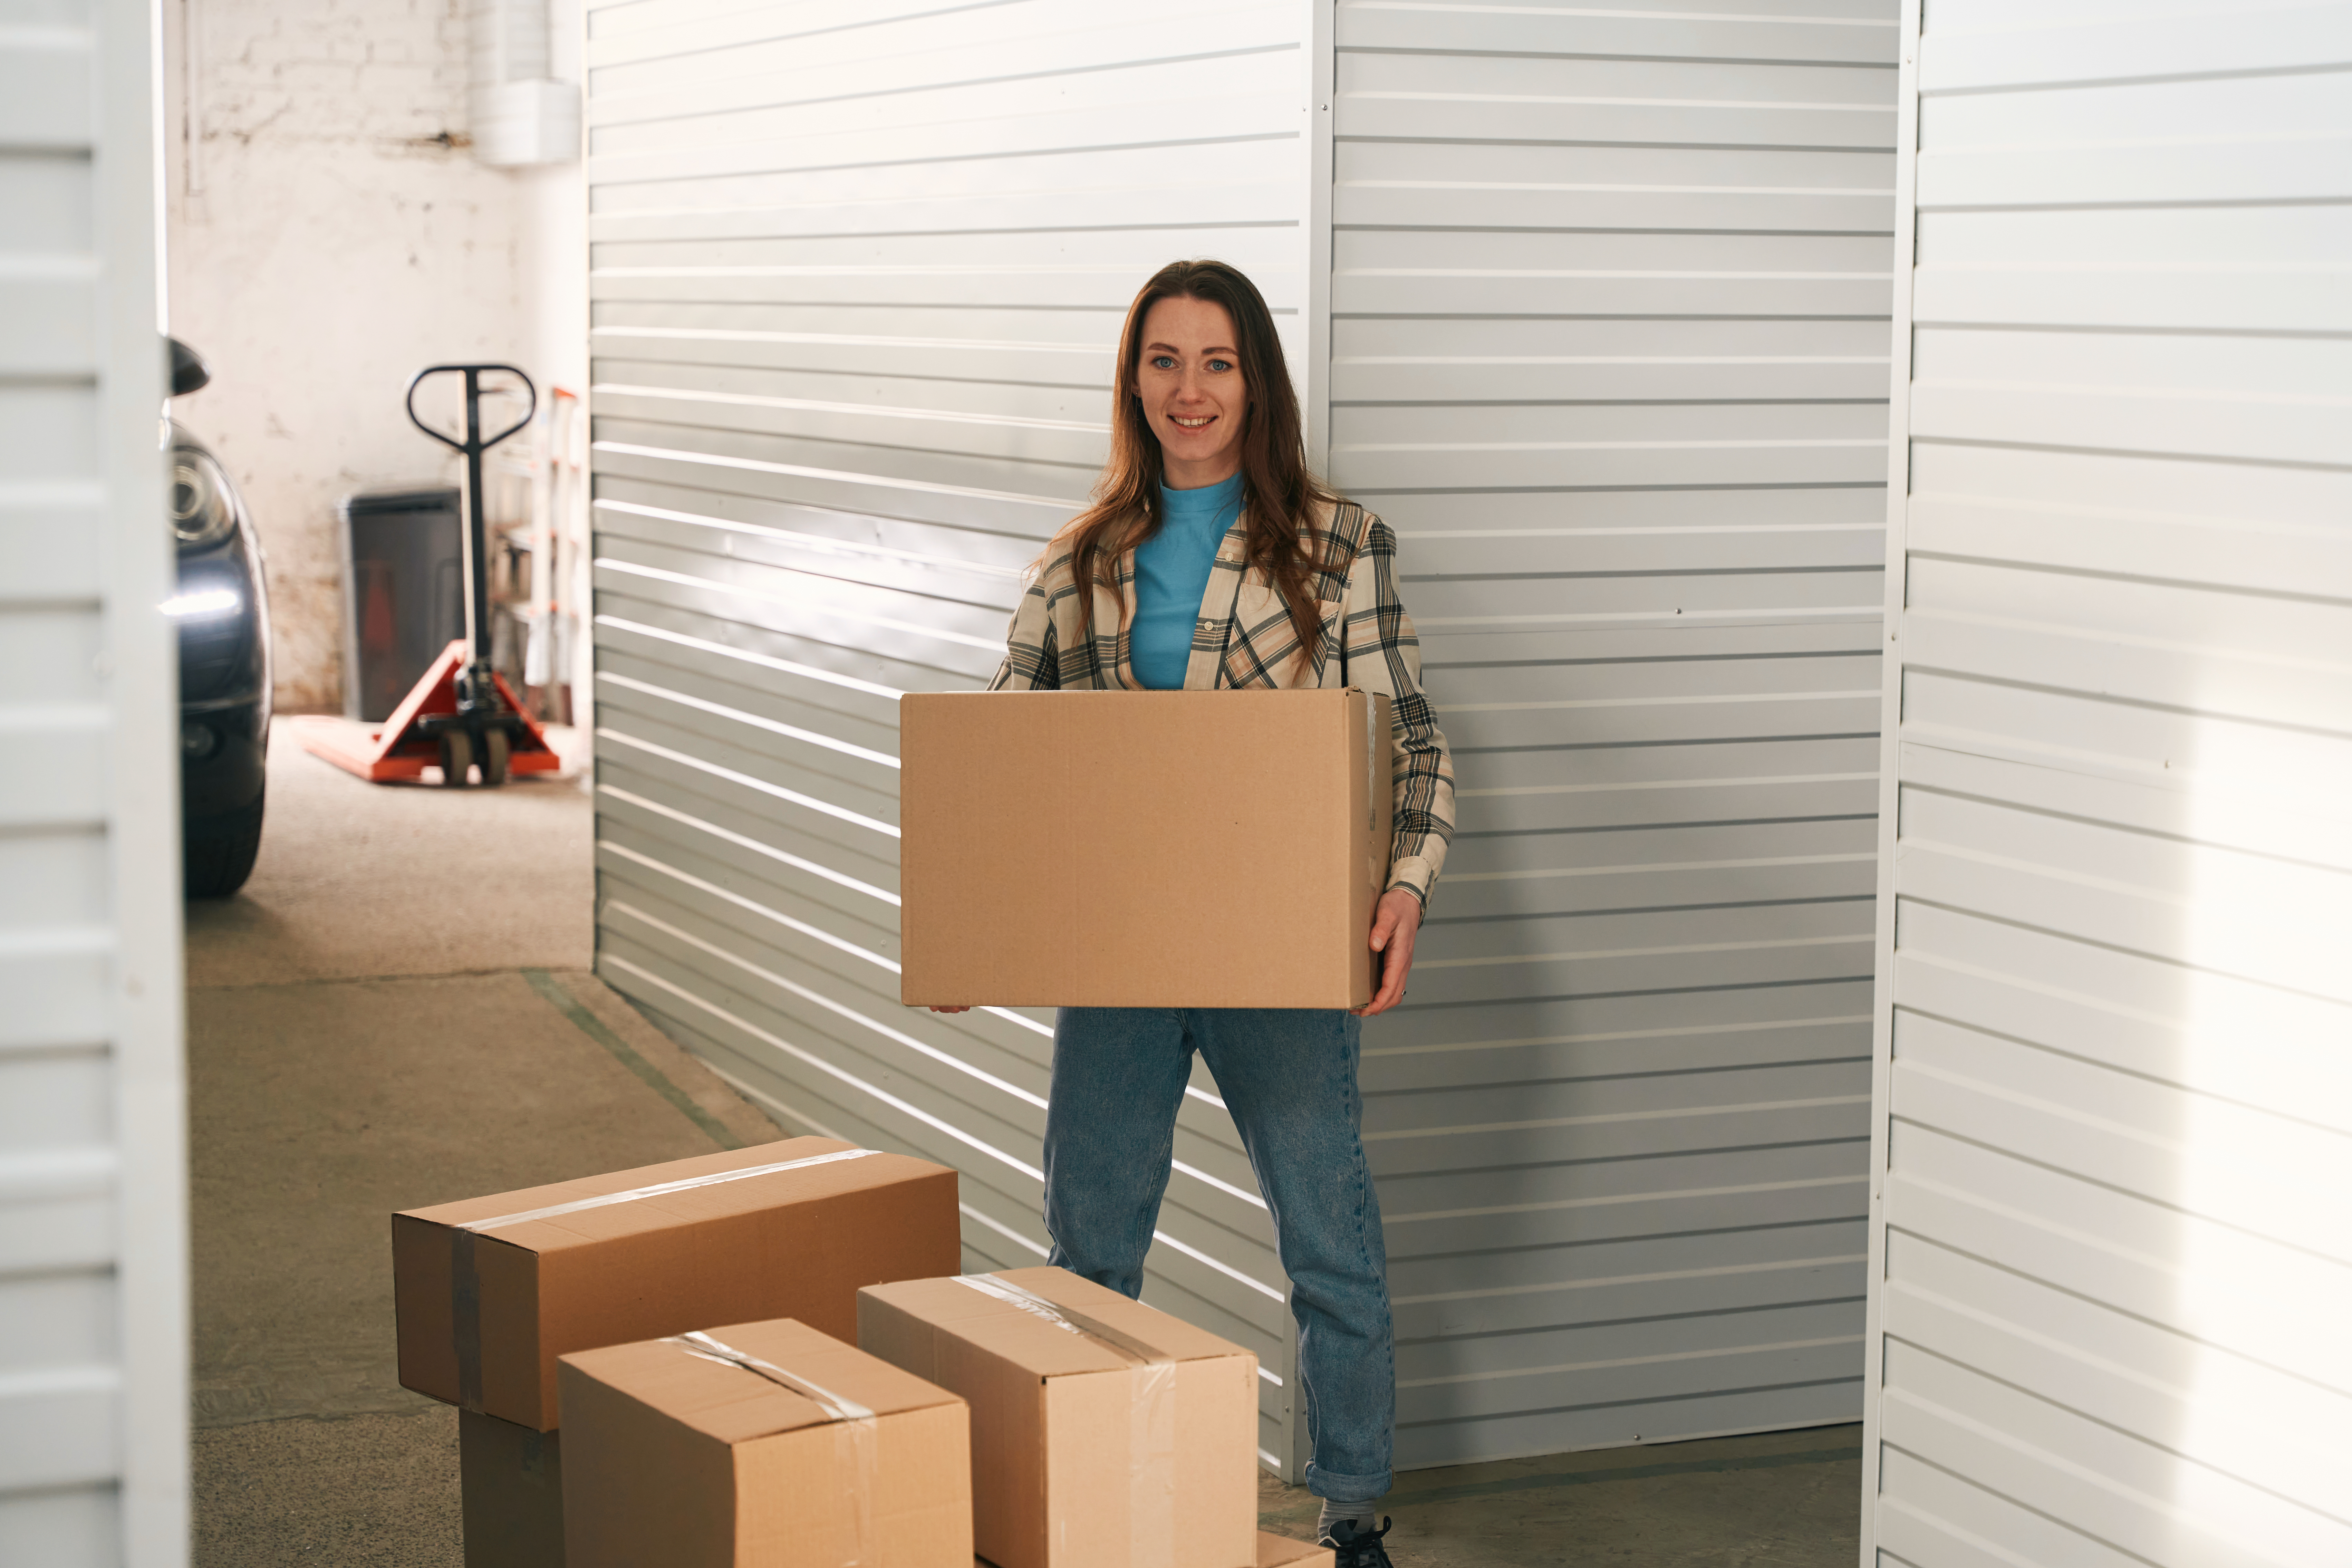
(596, 1029)
(1403, 1495)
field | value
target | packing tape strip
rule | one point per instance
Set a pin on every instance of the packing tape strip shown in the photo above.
(1069, 1318)
(836, 1407)
(465, 1282)
(852, 1424)
(660, 1189)
(1151, 1434)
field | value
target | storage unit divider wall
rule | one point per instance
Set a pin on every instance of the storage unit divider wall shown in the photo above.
(93, 1145)
(2114, 1268)
(1594, 310)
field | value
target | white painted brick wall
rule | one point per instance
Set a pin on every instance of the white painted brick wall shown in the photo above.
(335, 244)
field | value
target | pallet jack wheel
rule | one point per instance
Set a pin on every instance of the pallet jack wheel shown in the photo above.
(495, 746)
(457, 758)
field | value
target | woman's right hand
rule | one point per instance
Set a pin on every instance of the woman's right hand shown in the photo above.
(950, 1009)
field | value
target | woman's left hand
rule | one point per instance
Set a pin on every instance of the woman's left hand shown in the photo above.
(1395, 923)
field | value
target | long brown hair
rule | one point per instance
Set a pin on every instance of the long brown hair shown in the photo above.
(1278, 492)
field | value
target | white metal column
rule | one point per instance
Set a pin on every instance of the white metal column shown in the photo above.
(2113, 1264)
(93, 1247)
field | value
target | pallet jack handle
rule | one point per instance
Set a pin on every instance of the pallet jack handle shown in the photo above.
(474, 688)
(486, 726)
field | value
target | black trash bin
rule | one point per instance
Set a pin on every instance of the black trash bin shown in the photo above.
(404, 593)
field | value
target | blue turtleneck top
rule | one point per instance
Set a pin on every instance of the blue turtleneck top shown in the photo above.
(1171, 573)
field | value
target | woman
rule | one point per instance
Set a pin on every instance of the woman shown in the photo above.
(1212, 559)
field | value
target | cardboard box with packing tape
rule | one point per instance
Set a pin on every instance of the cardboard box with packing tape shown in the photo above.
(490, 1291)
(1104, 1434)
(761, 1445)
(1135, 848)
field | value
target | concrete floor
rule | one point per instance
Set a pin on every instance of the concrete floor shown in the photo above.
(1775, 1499)
(397, 1011)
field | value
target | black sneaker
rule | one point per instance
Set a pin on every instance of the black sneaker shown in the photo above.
(1354, 1547)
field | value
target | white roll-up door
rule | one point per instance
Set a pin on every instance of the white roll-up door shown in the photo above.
(1610, 314)
(857, 273)
(93, 1181)
(2118, 1270)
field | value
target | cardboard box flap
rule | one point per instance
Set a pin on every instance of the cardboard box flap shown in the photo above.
(1031, 1340)
(692, 1379)
(1172, 1336)
(1001, 1330)
(711, 1186)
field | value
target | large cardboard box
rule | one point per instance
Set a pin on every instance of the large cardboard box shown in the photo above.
(761, 1445)
(1141, 848)
(512, 1478)
(1104, 1434)
(489, 1291)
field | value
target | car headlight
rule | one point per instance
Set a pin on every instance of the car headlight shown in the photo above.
(201, 512)
(202, 604)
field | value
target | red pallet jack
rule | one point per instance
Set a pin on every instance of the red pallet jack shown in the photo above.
(461, 714)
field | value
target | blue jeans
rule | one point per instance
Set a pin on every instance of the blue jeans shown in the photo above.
(1288, 1076)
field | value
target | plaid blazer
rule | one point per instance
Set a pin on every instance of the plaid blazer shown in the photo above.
(1245, 637)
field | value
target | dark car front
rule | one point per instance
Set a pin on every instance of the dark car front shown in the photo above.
(222, 609)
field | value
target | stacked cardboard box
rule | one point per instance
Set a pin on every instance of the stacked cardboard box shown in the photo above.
(1031, 1416)
(491, 1291)
(761, 1445)
(770, 1446)
(510, 1478)
(1104, 1434)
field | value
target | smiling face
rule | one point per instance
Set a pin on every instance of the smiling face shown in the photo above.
(1188, 378)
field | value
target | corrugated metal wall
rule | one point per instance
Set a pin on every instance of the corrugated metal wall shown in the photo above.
(93, 1249)
(1607, 326)
(2116, 1265)
(856, 271)
(1610, 315)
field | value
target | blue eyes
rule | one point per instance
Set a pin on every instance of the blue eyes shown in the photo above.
(1165, 361)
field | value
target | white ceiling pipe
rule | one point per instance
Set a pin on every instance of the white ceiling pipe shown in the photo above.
(520, 115)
